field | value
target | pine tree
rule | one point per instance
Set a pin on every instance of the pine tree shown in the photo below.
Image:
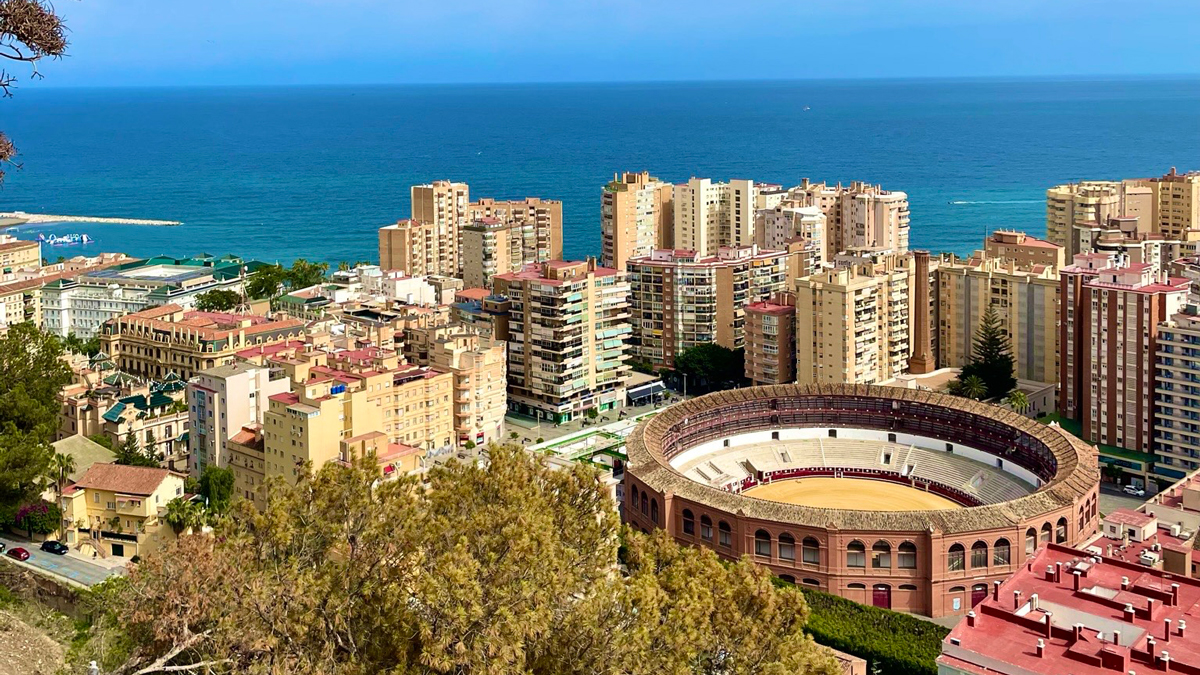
(991, 356)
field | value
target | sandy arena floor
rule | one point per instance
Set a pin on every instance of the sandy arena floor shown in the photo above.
(850, 493)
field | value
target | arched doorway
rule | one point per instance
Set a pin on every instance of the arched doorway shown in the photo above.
(881, 596)
(978, 594)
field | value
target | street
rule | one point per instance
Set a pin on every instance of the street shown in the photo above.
(71, 566)
(1112, 498)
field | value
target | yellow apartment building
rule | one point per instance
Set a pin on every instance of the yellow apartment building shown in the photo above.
(117, 510)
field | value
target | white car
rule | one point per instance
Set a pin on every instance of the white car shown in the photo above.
(1135, 491)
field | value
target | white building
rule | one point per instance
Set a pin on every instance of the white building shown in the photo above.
(710, 215)
(221, 401)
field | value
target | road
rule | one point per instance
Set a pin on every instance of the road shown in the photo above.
(71, 566)
(1112, 498)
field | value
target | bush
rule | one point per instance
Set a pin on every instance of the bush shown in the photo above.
(38, 518)
(893, 643)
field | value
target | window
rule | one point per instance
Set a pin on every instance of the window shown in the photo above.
(689, 522)
(726, 539)
(811, 551)
(645, 504)
(1030, 541)
(654, 510)
(1060, 532)
(907, 558)
(955, 560)
(979, 554)
(788, 578)
(787, 547)
(856, 554)
(1000, 553)
(907, 587)
(810, 582)
(833, 433)
(881, 555)
(1045, 538)
(774, 435)
(705, 528)
(762, 543)
(857, 587)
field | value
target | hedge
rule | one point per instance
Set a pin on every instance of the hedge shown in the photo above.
(891, 642)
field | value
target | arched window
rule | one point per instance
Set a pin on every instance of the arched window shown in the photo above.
(979, 554)
(856, 554)
(706, 528)
(1030, 541)
(955, 560)
(788, 578)
(762, 544)
(810, 582)
(645, 504)
(811, 553)
(1001, 555)
(787, 547)
(1045, 538)
(689, 522)
(881, 555)
(654, 510)
(1060, 532)
(726, 534)
(857, 587)
(958, 589)
(907, 587)
(907, 558)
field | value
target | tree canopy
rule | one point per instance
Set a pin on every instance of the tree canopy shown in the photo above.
(31, 374)
(991, 360)
(29, 32)
(219, 300)
(711, 367)
(510, 567)
(271, 280)
(132, 454)
(216, 485)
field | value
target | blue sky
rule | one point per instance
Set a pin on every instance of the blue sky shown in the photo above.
(173, 42)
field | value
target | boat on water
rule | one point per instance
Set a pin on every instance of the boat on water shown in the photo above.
(65, 240)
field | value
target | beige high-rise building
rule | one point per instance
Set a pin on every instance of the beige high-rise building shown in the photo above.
(710, 215)
(858, 216)
(413, 247)
(1076, 208)
(636, 216)
(568, 326)
(444, 205)
(787, 224)
(852, 322)
(1024, 250)
(681, 299)
(488, 250)
(479, 366)
(534, 223)
(1177, 205)
(1026, 300)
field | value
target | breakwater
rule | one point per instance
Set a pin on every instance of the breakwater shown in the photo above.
(35, 218)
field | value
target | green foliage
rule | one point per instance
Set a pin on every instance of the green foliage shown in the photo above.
(101, 439)
(40, 517)
(271, 280)
(991, 359)
(304, 274)
(592, 413)
(898, 644)
(220, 300)
(132, 455)
(89, 347)
(216, 485)
(31, 374)
(710, 367)
(183, 514)
(1018, 401)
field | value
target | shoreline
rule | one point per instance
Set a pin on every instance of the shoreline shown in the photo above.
(39, 218)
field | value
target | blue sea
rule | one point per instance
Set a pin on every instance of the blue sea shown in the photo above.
(288, 172)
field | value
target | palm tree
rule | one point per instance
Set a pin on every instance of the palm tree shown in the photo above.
(974, 387)
(1018, 401)
(183, 515)
(61, 468)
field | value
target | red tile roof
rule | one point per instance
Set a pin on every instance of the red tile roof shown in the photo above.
(131, 480)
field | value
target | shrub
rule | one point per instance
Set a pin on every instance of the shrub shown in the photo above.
(893, 643)
(38, 518)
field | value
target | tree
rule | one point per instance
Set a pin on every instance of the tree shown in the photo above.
(710, 367)
(31, 374)
(39, 517)
(1018, 401)
(509, 567)
(220, 300)
(151, 447)
(183, 515)
(972, 387)
(131, 454)
(77, 345)
(101, 439)
(991, 357)
(304, 274)
(61, 468)
(216, 485)
(29, 32)
(265, 282)
(592, 413)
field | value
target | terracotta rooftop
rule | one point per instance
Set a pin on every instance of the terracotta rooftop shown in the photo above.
(1129, 517)
(1068, 612)
(770, 308)
(14, 245)
(471, 294)
(130, 480)
(208, 325)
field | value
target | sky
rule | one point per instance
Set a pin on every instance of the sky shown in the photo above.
(255, 42)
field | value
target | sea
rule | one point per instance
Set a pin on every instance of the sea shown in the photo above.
(279, 173)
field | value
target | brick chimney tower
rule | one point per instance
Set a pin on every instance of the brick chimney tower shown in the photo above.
(921, 361)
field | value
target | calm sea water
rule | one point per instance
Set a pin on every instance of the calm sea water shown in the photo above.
(282, 173)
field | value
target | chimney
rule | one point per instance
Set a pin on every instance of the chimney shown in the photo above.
(1182, 627)
(1058, 573)
(1128, 614)
(995, 591)
(921, 361)
(1041, 648)
(1033, 601)
(1166, 660)
(1174, 595)
(971, 619)
(1124, 583)
(1075, 583)
(1150, 645)
(1166, 630)
(1077, 631)
(1016, 599)
(1048, 631)
(1049, 572)
(1116, 637)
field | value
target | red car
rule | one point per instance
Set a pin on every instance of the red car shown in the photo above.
(17, 553)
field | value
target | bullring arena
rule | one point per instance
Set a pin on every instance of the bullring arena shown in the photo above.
(901, 498)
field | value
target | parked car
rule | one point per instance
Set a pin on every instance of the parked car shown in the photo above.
(17, 553)
(1135, 491)
(1, 547)
(55, 547)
